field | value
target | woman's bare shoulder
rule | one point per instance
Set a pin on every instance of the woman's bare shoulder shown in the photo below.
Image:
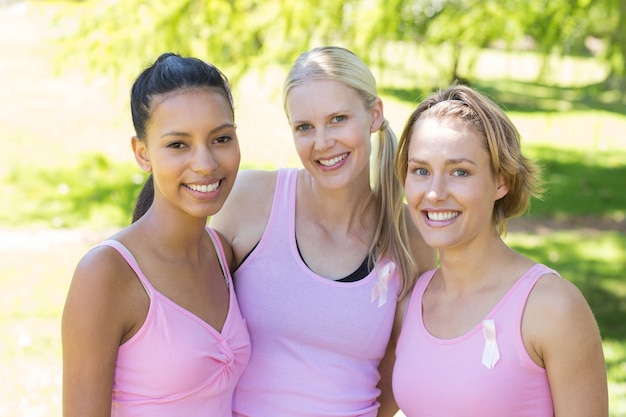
(570, 317)
(244, 215)
(104, 293)
(103, 272)
(251, 186)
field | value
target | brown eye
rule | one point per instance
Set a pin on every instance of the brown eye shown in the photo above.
(176, 145)
(223, 139)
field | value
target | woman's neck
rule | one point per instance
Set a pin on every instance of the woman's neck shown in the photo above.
(178, 236)
(344, 208)
(474, 266)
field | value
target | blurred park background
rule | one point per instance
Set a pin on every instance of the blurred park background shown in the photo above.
(67, 178)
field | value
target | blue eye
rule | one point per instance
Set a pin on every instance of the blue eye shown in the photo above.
(338, 119)
(460, 173)
(421, 171)
(303, 127)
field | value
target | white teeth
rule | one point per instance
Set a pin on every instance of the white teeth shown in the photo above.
(442, 216)
(331, 162)
(204, 188)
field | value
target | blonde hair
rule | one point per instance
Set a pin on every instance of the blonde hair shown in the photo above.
(390, 236)
(500, 138)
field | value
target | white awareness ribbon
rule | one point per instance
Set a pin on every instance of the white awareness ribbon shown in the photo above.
(491, 355)
(380, 289)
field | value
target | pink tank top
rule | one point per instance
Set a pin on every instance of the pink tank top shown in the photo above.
(177, 364)
(316, 343)
(486, 372)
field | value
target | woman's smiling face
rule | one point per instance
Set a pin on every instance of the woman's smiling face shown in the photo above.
(450, 186)
(331, 127)
(192, 150)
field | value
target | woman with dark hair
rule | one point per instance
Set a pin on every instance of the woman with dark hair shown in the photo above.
(151, 326)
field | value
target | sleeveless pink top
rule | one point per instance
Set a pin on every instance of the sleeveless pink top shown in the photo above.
(486, 372)
(177, 364)
(316, 343)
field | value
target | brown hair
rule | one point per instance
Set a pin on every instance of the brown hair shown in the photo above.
(501, 140)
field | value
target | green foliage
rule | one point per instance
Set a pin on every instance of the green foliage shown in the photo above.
(237, 35)
(121, 37)
(607, 22)
(559, 25)
(464, 27)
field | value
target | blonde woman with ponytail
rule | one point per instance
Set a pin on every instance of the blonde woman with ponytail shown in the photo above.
(323, 253)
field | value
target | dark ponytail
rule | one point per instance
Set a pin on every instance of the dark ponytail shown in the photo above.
(144, 199)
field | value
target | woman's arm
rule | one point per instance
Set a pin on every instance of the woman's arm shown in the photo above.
(388, 406)
(95, 319)
(561, 334)
(243, 217)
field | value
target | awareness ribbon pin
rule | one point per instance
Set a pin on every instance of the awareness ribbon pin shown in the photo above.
(491, 355)
(380, 289)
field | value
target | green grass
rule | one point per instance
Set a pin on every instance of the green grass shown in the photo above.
(615, 354)
(95, 192)
(581, 183)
